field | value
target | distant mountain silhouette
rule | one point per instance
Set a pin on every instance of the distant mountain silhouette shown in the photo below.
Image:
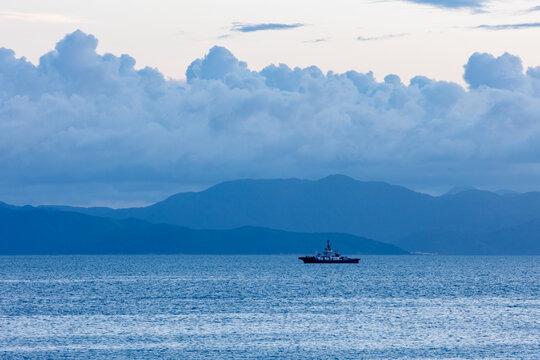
(457, 189)
(28, 230)
(335, 202)
(506, 192)
(338, 203)
(518, 240)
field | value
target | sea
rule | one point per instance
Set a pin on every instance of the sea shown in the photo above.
(269, 307)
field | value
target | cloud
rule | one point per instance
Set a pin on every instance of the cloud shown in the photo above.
(92, 127)
(509, 26)
(382, 37)
(534, 9)
(481, 68)
(38, 17)
(264, 27)
(454, 4)
(315, 41)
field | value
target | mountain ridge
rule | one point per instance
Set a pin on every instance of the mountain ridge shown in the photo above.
(337, 203)
(29, 230)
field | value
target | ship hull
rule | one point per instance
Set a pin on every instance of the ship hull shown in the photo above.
(313, 260)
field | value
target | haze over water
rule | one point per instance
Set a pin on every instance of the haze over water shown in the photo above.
(246, 307)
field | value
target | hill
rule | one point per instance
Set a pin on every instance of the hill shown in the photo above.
(28, 230)
(335, 203)
(518, 240)
(338, 203)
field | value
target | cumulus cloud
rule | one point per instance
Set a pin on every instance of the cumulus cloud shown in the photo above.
(263, 27)
(481, 68)
(80, 118)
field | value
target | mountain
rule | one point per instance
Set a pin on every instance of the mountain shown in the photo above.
(335, 203)
(28, 230)
(457, 189)
(338, 203)
(506, 192)
(518, 240)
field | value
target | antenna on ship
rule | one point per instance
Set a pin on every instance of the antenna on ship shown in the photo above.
(328, 244)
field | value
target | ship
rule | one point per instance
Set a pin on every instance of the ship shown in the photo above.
(328, 257)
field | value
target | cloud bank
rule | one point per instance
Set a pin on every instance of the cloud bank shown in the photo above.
(79, 118)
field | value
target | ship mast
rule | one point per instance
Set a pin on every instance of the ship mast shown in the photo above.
(328, 250)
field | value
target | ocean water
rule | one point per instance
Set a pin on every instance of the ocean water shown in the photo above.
(269, 307)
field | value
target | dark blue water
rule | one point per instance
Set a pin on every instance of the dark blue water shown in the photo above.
(247, 307)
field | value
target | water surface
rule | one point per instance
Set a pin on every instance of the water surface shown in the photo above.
(247, 307)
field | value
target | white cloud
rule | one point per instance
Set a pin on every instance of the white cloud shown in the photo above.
(84, 118)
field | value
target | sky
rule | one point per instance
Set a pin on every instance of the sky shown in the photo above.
(122, 104)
